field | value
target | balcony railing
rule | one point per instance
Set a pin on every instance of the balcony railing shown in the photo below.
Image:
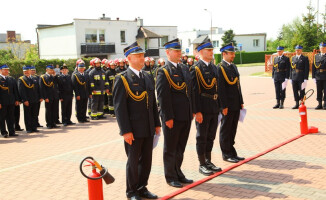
(97, 48)
(152, 52)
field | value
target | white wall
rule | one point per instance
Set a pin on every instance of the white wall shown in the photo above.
(248, 44)
(112, 33)
(57, 42)
(184, 37)
(170, 31)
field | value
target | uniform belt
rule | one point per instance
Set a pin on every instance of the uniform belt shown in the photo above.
(322, 70)
(212, 96)
(298, 70)
(281, 70)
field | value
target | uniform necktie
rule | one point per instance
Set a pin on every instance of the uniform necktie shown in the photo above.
(141, 75)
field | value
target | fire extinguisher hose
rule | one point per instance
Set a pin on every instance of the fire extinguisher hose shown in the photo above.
(93, 162)
(305, 96)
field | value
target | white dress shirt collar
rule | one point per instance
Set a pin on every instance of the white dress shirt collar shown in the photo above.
(173, 63)
(227, 62)
(135, 70)
(206, 63)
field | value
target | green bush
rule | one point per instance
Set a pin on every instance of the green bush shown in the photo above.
(247, 57)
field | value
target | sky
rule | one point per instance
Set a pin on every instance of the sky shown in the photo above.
(243, 16)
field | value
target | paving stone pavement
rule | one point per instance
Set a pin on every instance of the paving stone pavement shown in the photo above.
(45, 165)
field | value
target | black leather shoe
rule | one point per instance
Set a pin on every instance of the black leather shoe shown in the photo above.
(175, 184)
(14, 135)
(5, 136)
(185, 180)
(81, 121)
(58, 122)
(49, 127)
(56, 126)
(231, 160)
(86, 121)
(319, 107)
(71, 123)
(39, 126)
(239, 158)
(135, 197)
(29, 131)
(212, 167)
(148, 195)
(203, 169)
(295, 107)
(36, 131)
(65, 124)
(281, 106)
(19, 129)
(276, 106)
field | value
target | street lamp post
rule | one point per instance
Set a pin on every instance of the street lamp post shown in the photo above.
(211, 22)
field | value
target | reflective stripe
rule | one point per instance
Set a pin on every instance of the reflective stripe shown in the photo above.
(111, 107)
(106, 83)
(105, 107)
(93, 115)
(111, 77)
(103, 77)
(96, 77)
(97, 92)
(92, 85)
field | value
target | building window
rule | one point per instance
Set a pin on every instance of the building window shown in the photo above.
(123, 36)
(102, 36)
(163, 40)
(91, 36)
(256, 43)
(189, 42)
(216, 43)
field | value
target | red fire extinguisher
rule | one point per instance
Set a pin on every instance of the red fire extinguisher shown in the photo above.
(303, 114)
(94, 179)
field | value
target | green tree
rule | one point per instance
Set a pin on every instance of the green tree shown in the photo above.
(31, 54)
(228, 37)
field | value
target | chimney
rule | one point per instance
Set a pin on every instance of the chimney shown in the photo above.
(103, 15)
(11, 36)
(139, 22)
(117, 18)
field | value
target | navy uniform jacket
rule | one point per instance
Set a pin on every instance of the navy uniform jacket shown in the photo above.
(282, 71)
(81, 85)
(204, 98)
(301, 70)
(230, 95)
(49, 87)
(175, 104)
(36, 80)
(133, 116)
(319, 67)
(9, 91)
(65, 86)
(28, 92)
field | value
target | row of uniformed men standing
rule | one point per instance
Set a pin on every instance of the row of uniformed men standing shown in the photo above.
(296, 69)
(201, 92)
(32, 89)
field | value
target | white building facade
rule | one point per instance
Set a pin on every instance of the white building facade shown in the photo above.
(103, 38)
(249, 42)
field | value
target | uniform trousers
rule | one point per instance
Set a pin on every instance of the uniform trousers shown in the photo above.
(228, 130)
(175, 141)
(139, 164)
